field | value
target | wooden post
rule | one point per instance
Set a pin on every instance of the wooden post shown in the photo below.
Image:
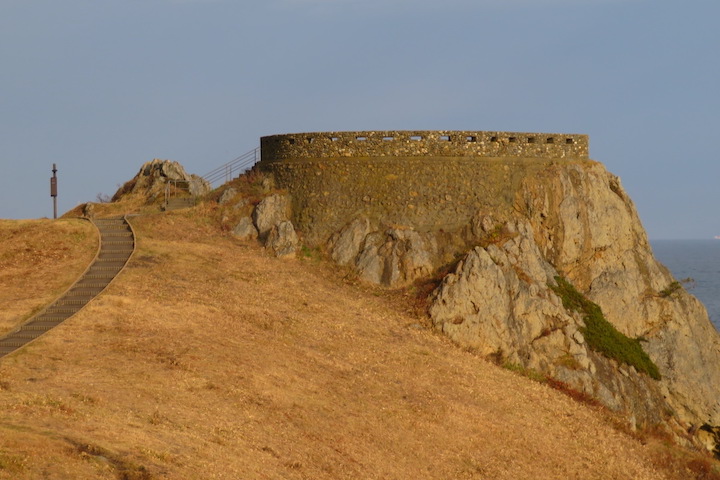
(53, 190)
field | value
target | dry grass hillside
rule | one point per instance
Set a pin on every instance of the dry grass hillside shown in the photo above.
(39, 259)
(208, 359)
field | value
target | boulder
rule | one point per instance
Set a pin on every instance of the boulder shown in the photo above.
(395, 258)
(270, 212)
(198, 186)
(282, 239)
(89, 211)
(347, 244)
(227, 195)
(245, 230)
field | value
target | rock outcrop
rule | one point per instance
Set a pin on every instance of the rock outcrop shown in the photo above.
(269, 223)
(271, 211)
(576, 222)
(227, 196)
(587, 227)
(153, 177)
(282, 239)
(245, 229)
(499, 301)
(566, 222)
(392, 257)
(569, 220)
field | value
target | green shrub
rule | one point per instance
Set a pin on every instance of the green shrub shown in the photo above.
(600, 335)
(676, 286)
(670, 289)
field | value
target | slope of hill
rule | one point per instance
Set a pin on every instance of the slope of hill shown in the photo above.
(207, 358)
(39, 259)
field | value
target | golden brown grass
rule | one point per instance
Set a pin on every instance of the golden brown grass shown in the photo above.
(39, 259)
(209, 359)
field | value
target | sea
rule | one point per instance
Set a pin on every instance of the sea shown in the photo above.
(698, 260)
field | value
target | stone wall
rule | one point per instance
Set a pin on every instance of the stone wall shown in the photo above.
(423, 143)
(438, 182)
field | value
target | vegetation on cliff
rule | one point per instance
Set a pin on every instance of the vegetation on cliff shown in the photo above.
(600, 334)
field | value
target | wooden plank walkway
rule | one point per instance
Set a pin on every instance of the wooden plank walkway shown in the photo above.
(117, 243)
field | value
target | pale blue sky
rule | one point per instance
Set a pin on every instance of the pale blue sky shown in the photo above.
(101, 86)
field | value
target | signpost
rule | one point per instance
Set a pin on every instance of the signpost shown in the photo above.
(53, 190)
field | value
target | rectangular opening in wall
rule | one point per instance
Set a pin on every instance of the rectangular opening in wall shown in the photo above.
(309, 139)
(493, 139)
(444, 138)
(361, 139)
(291, 141)
(512, 139)
(388, 139)
(334, 139)
(531, 139)
(569, 141)
(416, 137)
(550, 140)
(471, 138)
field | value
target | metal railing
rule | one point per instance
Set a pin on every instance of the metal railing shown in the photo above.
(226, 172)
(173, 186)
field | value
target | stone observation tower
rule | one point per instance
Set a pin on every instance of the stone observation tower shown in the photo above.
(425, 180)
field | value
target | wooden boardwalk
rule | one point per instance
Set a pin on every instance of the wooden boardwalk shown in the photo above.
(117, 243)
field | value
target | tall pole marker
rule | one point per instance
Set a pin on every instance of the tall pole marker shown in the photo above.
(53, 190)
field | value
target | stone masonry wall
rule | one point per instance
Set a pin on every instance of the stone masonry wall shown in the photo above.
(423, 143)
(430, 184)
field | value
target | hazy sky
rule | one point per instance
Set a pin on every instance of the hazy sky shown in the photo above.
(102, 86)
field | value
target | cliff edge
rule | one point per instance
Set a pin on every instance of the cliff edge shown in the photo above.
(549, 269)
(575, 224)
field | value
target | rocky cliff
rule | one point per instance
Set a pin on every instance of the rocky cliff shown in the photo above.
(571, 223)
(154, 176)
(552, 274)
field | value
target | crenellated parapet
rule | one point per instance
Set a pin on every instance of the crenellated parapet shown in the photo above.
(436, 143)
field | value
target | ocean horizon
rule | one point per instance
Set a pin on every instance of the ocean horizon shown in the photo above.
(698, 260)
